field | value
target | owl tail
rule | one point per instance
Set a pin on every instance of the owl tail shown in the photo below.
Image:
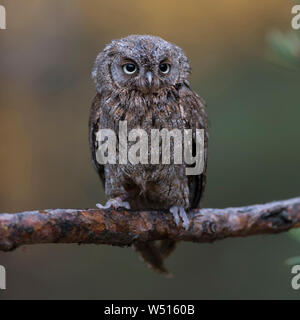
(154, 254)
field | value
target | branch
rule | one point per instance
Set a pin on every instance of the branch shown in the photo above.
(123, 227)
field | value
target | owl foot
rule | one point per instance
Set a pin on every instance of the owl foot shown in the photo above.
(179, 212)
(114, 203)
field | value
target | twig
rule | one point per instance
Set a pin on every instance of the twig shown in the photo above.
(123, 227)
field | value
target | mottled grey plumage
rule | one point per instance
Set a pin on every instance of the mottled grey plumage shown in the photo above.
(147, 99)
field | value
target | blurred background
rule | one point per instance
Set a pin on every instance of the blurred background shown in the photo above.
(243, 66)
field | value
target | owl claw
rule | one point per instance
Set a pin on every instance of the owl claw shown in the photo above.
(185, 219)
(174, 211)
(114, 204)
(179, 212)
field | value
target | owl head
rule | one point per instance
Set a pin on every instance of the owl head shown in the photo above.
(140, 62)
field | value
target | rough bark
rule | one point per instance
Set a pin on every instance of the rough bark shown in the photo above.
(123, 227)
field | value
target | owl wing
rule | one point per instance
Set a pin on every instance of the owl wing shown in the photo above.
(195, 118)
(93, 129)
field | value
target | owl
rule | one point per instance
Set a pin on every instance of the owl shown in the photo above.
(143, 80)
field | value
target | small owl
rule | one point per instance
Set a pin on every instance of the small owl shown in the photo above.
(142, 79)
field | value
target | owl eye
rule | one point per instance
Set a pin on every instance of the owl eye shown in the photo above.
(164, 68)
(129, 68)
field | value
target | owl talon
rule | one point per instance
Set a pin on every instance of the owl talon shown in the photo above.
(114, 204)
(179, 212)
(185, 219)
(174, 211)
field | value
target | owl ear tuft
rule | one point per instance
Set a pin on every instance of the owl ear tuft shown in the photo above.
(95, 70)
(94, 73)
(96, 66)
(185, 69)
(99, 69)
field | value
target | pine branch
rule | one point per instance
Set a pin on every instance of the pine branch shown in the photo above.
(124, 227)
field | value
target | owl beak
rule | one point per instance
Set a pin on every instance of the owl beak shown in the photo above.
(149, 78)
